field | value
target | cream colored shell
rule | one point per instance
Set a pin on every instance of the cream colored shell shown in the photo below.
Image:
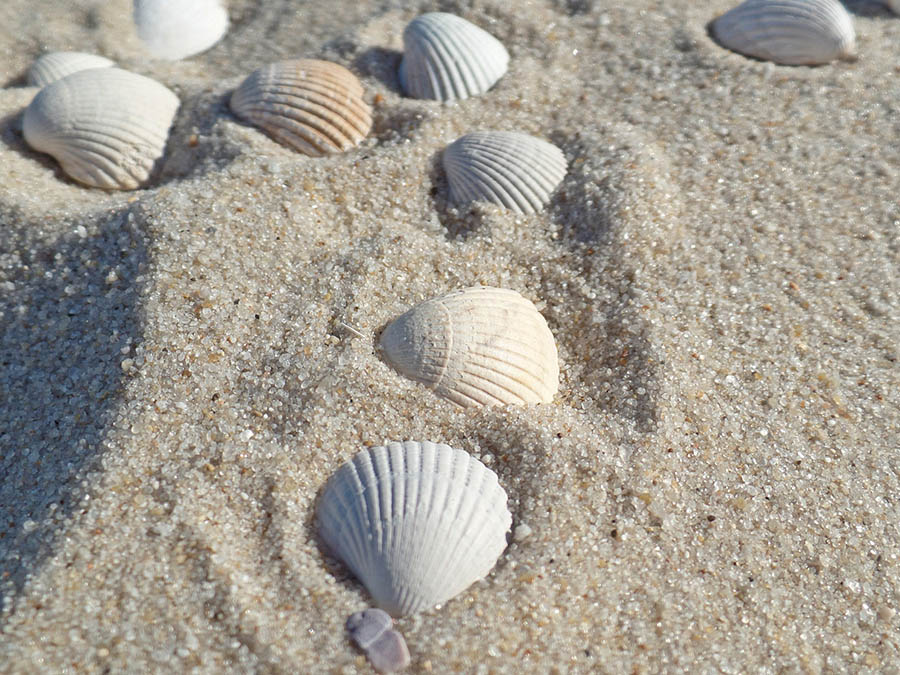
(106, 127)
(790, 32)
(416, 522)
(447, 58)
(477, 346)
(176, 29)
(56, 65)
(315, 107)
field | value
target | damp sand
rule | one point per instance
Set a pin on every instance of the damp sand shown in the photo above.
(714, 487)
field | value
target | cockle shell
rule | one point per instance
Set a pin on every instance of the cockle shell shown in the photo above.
(385, 648)
(416, 522)
(790, 32)
(56, 65)
(506, 168)
(315, 107)
(476, 346)
(176, 29)
(106, 127)
(447, 58)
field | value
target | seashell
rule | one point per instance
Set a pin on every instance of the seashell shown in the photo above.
(416, 522)
(315, 107)
(447, 58)
(56, 65)
(385, 648)
(476, 346)
(106, 127)
(790, 32)
(509, 169)
(893, 5)
(176, 29)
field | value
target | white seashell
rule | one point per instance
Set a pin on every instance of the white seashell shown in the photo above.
(176, 29)
(790, 32)
(384, 647)
(56, 65)
(447, 58)
(416, 523)
(106, 127)
(315, 107)
(476, 346)
(509, 169)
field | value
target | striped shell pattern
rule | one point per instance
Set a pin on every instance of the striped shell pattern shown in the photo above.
(314, 107)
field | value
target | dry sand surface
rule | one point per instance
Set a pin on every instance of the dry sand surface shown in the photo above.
(716, 486)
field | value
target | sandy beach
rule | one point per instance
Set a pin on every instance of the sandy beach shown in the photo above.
(716, 485)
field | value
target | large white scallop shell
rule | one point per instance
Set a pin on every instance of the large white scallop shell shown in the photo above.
(416, 522)
(315, 107)
(790, 32)
(446, 58)
(106, 127)
(56, 65)
(476, 346)
(176, 29)
(506, 168)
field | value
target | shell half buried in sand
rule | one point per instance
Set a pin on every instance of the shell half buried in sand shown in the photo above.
(447, 58)
(106, 127)
(506, 168)
(416, 522)
(789, 32)
(57, 65)
(476, 346)
(176, 29)
(314, 107)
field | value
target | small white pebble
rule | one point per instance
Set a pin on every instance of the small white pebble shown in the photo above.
(521, 532)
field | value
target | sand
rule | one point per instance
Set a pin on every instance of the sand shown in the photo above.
(715, 486)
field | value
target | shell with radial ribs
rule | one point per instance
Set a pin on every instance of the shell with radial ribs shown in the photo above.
(447, 58)
(506, 168)
(176, 29)
(789, 32)
(476, 346)
(315, 107)
(56, 65)
(106, 127)
(416, 522)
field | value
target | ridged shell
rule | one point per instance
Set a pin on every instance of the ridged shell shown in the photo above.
(106, 127)
(176, 29)
(790, 32)
(476, 346)
(315, 107)
(416, 522)
(447, 58)
(509, 169)
(56, 65)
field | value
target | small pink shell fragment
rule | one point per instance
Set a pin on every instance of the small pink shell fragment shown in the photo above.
(385, 648)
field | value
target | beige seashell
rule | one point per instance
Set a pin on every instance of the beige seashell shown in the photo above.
(506, 168)
(790, 32)
(56, 65)
(894, 6)
(106, 127)
(476, 346)
(416, 522)
(315, 107)
(447, 58)
(176, 29)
